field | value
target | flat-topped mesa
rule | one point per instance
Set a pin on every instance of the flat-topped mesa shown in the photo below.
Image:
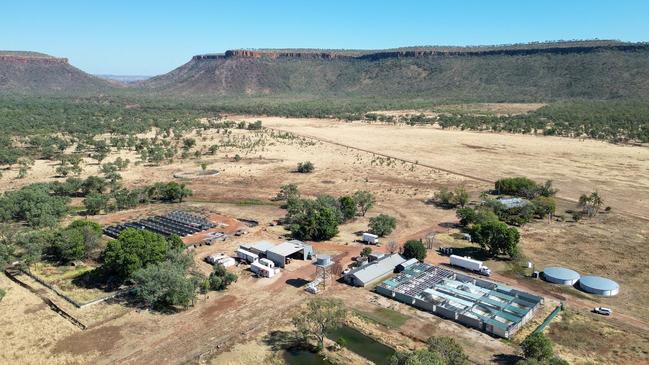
(511, 50)
(33, 59)
(282, 54)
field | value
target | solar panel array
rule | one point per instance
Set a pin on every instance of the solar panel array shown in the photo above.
(178, 222)
(415, 280)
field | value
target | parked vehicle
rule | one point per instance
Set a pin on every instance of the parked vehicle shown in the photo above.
(603, 311)
(370, 238)
(470, 264)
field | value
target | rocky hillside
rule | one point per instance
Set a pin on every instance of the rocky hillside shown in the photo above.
(527, 72)
(37, 73)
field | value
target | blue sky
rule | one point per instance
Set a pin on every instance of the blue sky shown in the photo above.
(153, 37)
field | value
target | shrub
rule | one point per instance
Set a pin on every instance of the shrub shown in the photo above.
(305, 167)
(366, 251)
(221, 278)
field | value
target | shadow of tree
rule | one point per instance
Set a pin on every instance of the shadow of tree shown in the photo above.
(506, 359)
(281, 340)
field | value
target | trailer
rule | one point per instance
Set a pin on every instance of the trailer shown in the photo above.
(470, 264)
(267, 263)
(261, 270)
(370, 238)
(247, 256)
(220, 259)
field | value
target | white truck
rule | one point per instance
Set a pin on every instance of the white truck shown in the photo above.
(470, 264)
(372, 239)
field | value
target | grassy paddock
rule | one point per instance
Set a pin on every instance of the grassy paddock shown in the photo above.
(383, 316)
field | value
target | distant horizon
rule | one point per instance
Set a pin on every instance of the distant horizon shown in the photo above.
(154, 37)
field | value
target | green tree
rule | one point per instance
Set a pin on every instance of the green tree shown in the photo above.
(95, 203)
(175, 242)
(93, 184)
(590, 204)
(466, 215)
(101, 151)
(347, 207)
(517, 186)
(444, 198)
(423, 357)
(544, 206)
(366, 251)
(34, 205)
(69, 245)
(221, 278)
(414, 249)
(305, 167)
(311, 219)
(460, 197)
(133, 250)
(88, 234)
(288, 191)
(496, 237)
(448, 349)
(164, 285)
(364, 200)
(170, 192)
(188, 143)
(321, 316)
(537, 346)
(382, 224)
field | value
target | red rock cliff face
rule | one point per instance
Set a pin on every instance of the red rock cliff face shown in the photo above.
(39, 60)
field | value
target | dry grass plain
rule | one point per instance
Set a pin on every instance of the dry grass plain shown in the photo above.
(619, 173)
(240, 318)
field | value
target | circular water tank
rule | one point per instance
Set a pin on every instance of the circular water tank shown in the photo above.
(599, 285)
(560, 275)
(323, 260)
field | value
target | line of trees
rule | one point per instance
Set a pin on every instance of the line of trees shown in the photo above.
(318, 219)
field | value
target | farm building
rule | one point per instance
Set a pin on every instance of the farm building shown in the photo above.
(484, 305)
(511, 203)
(373, 271)
(293, 249)
(402, 266)
(258, 248)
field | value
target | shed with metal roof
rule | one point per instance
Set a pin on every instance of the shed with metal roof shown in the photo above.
(366, 274)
